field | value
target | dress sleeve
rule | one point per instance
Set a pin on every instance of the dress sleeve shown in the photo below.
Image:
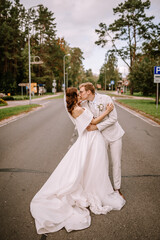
(83, 121)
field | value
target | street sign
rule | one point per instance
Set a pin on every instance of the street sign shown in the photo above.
(23, 84)
(36, 60)
(157, 74)
(157, 80)
(112, 82)
(126, 83)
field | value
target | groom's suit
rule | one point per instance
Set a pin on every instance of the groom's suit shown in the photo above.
(111, 130)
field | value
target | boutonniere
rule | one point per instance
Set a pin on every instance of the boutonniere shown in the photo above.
(100, 106)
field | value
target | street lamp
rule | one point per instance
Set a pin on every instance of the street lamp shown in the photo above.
(67, 76)
(29, 55)
(29, 63)
(64, 69)
(106, 60)
(105, 79)
(104, 69)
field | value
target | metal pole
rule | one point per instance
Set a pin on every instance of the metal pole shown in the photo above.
(67, 79)
(105, 79)
(21, 90)
(29, 62)
(64, 70)
(157, 96)
(29, 57)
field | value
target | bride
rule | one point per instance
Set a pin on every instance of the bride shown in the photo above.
(80, 182)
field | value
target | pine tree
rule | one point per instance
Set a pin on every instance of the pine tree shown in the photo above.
(11, 42)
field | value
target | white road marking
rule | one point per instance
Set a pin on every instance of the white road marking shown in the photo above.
(145, 119)
(16, 117)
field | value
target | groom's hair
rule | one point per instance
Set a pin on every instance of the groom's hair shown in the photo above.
(88, 86)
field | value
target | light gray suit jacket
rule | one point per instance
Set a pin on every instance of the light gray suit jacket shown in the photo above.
(109, 126)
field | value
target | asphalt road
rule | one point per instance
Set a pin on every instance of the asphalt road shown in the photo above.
(30, 149)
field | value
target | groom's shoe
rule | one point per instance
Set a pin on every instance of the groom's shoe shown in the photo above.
(43, 237)
(118, 190)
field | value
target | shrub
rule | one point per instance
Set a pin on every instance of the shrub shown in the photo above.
(8, 98)
(3, 102)
(20, 98)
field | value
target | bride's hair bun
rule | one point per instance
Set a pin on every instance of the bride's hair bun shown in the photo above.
(71, 98)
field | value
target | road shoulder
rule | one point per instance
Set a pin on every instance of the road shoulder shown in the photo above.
(25, 102)
(145, 117)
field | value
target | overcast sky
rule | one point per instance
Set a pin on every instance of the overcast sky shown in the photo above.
(77, 20)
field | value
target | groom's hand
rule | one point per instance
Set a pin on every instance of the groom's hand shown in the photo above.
(92, 127)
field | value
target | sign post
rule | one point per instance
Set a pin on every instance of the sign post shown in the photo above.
(157, 80)
(126, 83)
(112, 83)
(54, 84)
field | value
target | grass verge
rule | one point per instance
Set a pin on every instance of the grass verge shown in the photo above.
(3, 104)
(24, 97)
(145, 107)
(10, 111)
(60, 96)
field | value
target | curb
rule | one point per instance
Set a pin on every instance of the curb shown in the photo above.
(26, 102)
(145, 117)
(21, 115)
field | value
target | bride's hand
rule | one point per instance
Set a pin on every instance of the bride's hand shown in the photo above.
(109, 107)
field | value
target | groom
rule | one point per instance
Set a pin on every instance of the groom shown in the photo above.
(109, 127)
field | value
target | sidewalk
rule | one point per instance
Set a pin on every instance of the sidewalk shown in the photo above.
(26, 102)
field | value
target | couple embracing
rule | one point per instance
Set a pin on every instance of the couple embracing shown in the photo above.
(81, 181)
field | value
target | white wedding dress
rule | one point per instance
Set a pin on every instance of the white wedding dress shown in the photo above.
(80, 181)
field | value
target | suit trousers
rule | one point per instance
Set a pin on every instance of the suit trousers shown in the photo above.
(116, 154)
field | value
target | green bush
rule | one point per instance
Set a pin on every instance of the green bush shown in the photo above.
(8, 98)
(20, 98)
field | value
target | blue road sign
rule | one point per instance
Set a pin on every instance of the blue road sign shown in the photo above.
(112, 82)
(157, 70)
(157, 74)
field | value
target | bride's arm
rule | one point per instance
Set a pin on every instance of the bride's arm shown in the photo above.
(97, 120)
